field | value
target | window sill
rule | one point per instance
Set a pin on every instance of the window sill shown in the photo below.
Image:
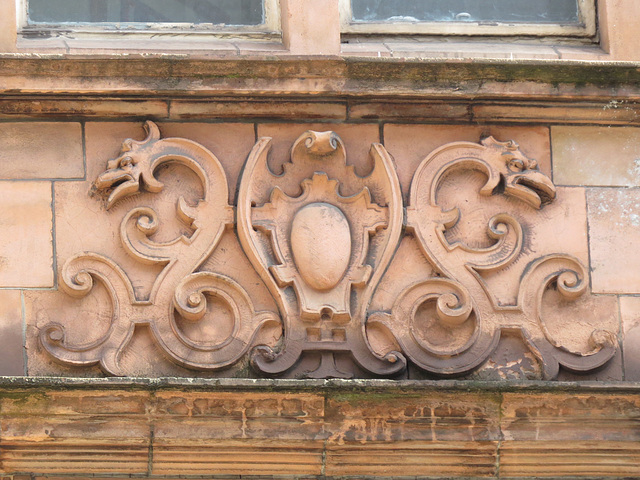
(192, 46)
(473, 51)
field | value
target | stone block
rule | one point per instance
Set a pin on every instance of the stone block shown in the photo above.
(596, 156)
(271, 109)
(453, 50)
(385, 416)
(26, 250)
(41, 150)
(619, 113)
(557, 459)
(64, 433)
(242, 433)
(12, 356)
(229, 142)
(581, 434)
(614, 236)
(366, 49)
(310, 27)
(630, 313)
(398, 111)
(585, 417)
(386, 434)
(103, 108)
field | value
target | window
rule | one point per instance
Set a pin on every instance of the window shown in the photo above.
(149, 16)
(469, 17)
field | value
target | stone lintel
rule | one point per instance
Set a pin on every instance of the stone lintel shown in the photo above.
(317, 428)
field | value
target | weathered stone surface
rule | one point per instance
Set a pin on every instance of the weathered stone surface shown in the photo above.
(11, 333)
(578, 434)
(66, 108)
(630, 313)
(366, 429)
(310, 76)
(41, 150)
(596, 156)
(27, 234)
(557, 459)
(614, 234)
(606, 113)
(67, 432)
(399, 111)
(388, 435)
(511, 360)
(276, 109)
(237, 433)
(311, 27)
(585, 417)
(413, 459)
(453, 50)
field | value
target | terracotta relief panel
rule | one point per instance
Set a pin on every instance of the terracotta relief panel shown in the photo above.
(310, 267)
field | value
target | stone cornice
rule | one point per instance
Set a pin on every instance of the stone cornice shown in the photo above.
(320, 430)
(171, 75)
(8, 384)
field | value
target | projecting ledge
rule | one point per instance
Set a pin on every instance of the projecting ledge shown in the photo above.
(318, 428)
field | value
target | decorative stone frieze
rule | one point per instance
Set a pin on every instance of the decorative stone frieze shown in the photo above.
(329, 245)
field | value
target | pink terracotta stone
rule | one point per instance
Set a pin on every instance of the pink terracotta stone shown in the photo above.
(12, 355)
(41, 150)
(26, 219)
(614, 236)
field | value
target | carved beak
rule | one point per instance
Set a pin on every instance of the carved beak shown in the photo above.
(125, 184)
(531, 186)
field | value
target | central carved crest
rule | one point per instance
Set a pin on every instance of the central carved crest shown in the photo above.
(311, 233)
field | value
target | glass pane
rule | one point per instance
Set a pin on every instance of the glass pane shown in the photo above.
(228, 12)
(524, 11)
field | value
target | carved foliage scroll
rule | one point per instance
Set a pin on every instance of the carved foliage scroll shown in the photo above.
(322, 239)
(461, 296)
(179, 288)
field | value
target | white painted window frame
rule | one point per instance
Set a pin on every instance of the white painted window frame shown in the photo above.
(587, 27)
(271, 27)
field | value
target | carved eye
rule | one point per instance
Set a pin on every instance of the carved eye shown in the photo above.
(515, 165)
(126, 162)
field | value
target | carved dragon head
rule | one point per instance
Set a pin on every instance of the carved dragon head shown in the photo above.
(519, 175)
(127, 173)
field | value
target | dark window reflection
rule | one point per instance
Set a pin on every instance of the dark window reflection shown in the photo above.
(229, 12)
(526, 11)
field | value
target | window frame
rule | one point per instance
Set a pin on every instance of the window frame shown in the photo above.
(271, 28)
(586, 13)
